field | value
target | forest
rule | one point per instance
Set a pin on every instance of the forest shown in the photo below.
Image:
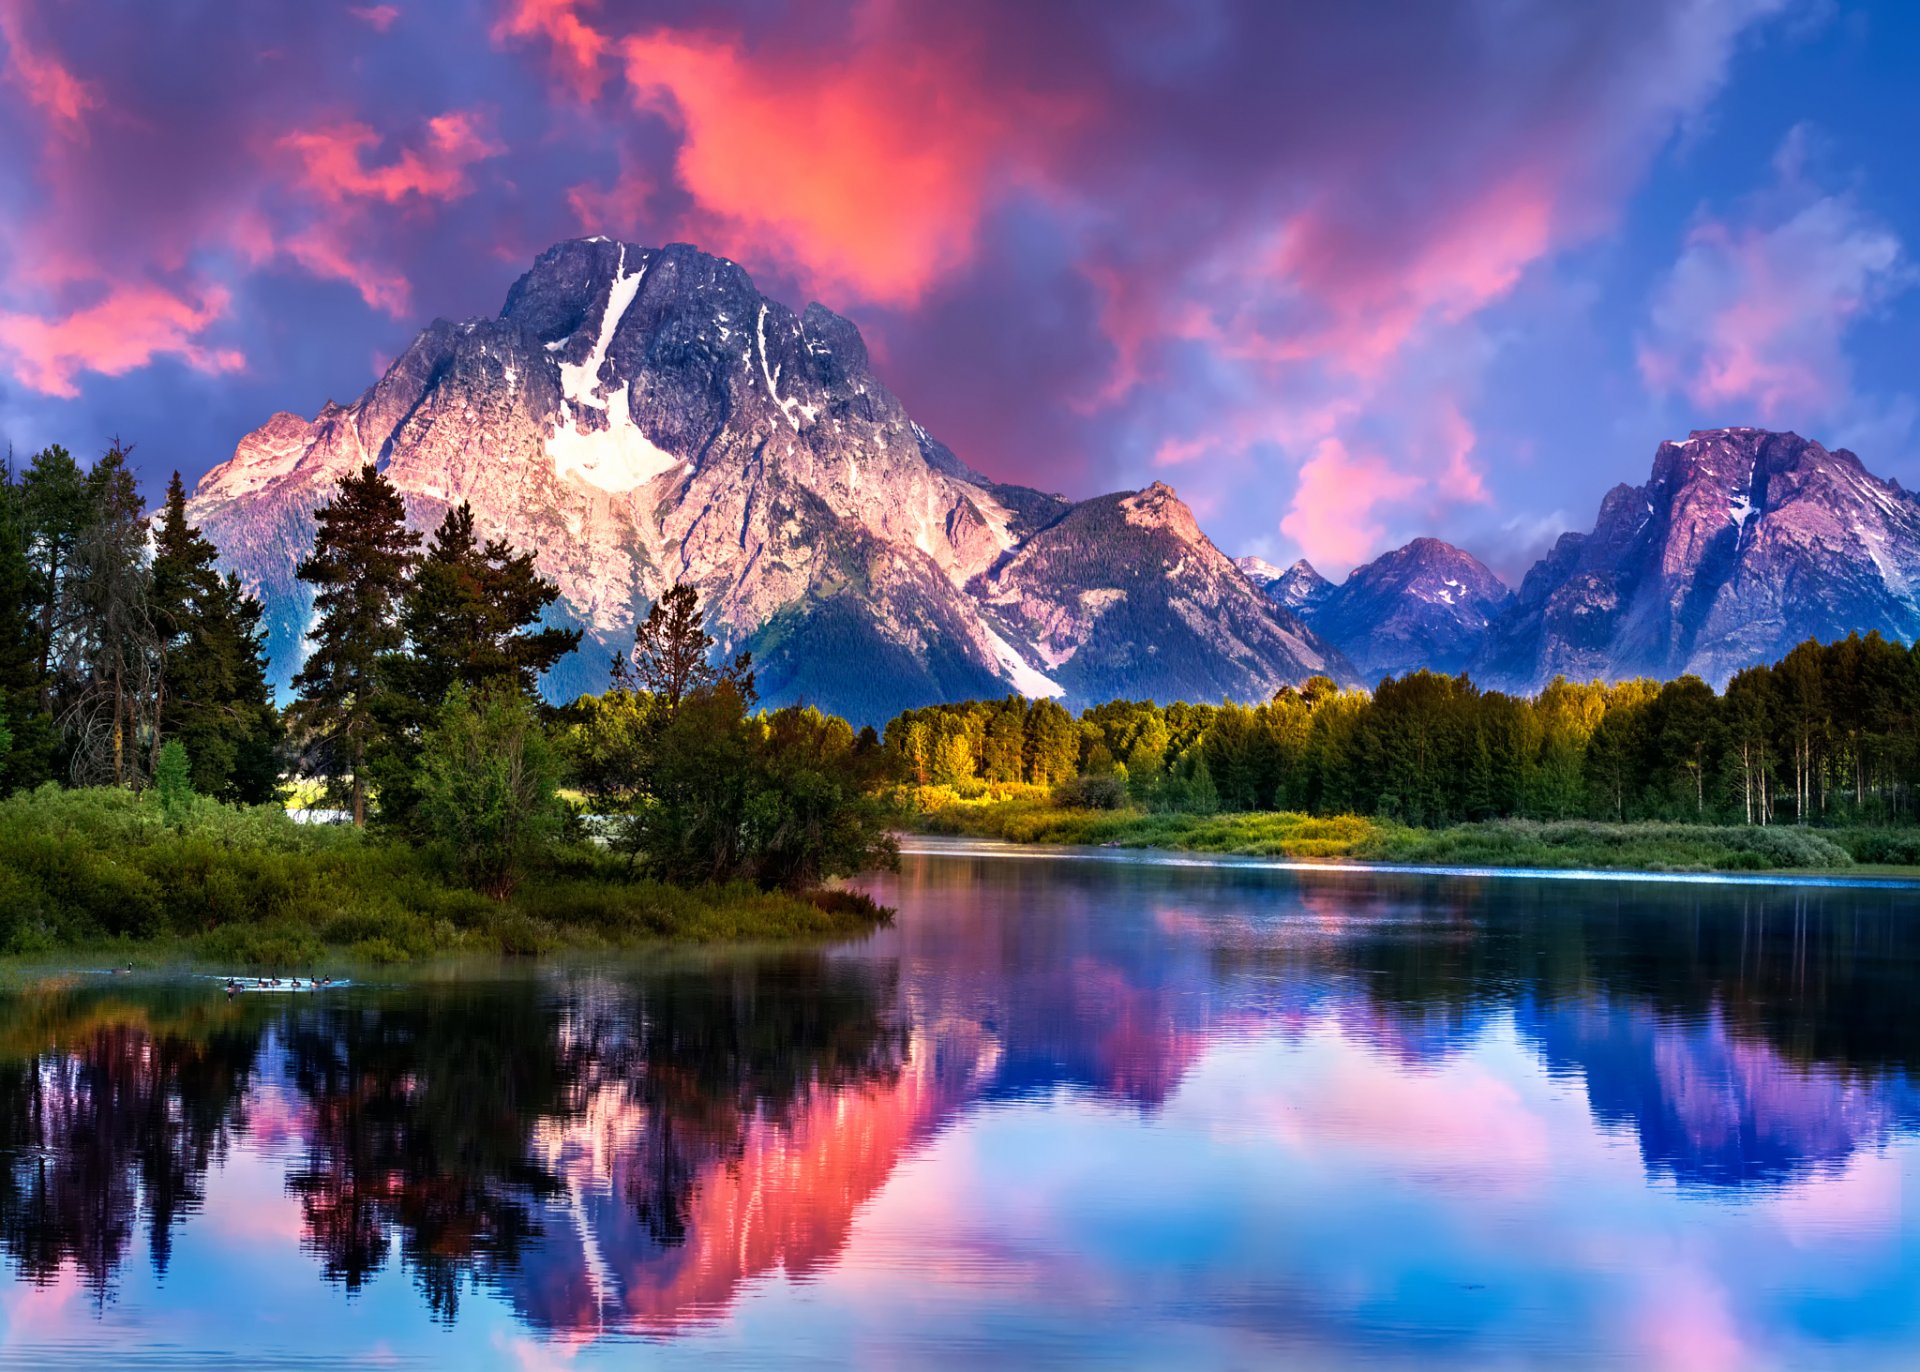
(1829, 735)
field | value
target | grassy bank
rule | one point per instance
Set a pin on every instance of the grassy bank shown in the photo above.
(1022, 816)
(99, 869)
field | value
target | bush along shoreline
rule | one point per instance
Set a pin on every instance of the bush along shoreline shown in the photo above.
(1029, 815)
(103, 869)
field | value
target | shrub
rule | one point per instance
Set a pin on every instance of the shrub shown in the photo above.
(1107, 792)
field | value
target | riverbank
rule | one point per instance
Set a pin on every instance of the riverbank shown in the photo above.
(1559, 844)
(250, 888)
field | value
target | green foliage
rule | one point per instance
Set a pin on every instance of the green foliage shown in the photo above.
(487, 785)
(1091, 793)
(212, 659)
(248, 885)
(173, 781)
(1828, 736)
(470, 618)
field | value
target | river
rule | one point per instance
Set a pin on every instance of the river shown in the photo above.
(1071, 1110)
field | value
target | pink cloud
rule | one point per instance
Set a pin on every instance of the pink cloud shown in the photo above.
(333, 161)
(868, 171)
(1332, 518)
(1752, 320)
(47, 82)
(127, 328)
(331, 165)
(379, 18)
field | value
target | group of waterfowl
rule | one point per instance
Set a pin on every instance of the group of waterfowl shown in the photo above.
(235, 985)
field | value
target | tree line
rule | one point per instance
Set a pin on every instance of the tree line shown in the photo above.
(127, 659)
(118, 633)
(1830, 733)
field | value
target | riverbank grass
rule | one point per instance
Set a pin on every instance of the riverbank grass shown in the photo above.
(103, 868)
(1025, 817)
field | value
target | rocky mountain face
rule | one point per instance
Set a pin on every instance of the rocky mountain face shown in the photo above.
(1125, 590)
(640, 416)
(1299, 588)
(1425, 605)
(1743, 544)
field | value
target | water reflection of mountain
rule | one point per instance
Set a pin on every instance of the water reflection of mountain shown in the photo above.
(1710, 1107)
(631, 1147)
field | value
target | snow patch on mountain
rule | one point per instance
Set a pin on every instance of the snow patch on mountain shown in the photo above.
(1028, 682)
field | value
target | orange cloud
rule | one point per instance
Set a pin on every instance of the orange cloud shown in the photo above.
(333, 161)
(579, 49)
(870, 173)
(1332, 513)
(126, 329)
(49, 85)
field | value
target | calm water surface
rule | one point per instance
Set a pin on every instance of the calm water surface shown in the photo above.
(1067, 1112)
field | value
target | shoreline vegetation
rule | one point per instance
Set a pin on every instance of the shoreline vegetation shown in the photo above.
(104, 870)
(1029, 815)
(142, 753)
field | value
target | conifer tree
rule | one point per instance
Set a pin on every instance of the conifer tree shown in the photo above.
(106, 650)
(363, 557)
(28, 761)
(56, 509)
(672, 653)
(211, 690)
(471, 618)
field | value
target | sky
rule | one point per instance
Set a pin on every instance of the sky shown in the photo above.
(1340, 274)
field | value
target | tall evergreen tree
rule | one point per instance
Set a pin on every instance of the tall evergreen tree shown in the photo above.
(672, 652)
(211, 689)
(363, 557)
(29, 759)
(471, 618)
(56, 508)
(107, 649)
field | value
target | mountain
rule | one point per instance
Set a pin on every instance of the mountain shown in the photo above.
(1299, 588)
(1125, 590)
(1425, 605)
(1743, 544)
(639, 416)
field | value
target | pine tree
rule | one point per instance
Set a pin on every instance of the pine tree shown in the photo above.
(29, 759)
(672, 652)
(363, 557)
(56, 509)
(107, 648)
(211, 693)
(470, 618)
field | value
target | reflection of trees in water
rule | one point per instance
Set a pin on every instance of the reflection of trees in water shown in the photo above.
(421, 1105)
(425, 1110)
(110, 1115)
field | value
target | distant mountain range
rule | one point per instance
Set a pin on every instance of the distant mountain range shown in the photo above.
(640, 416)
(1743, 544)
